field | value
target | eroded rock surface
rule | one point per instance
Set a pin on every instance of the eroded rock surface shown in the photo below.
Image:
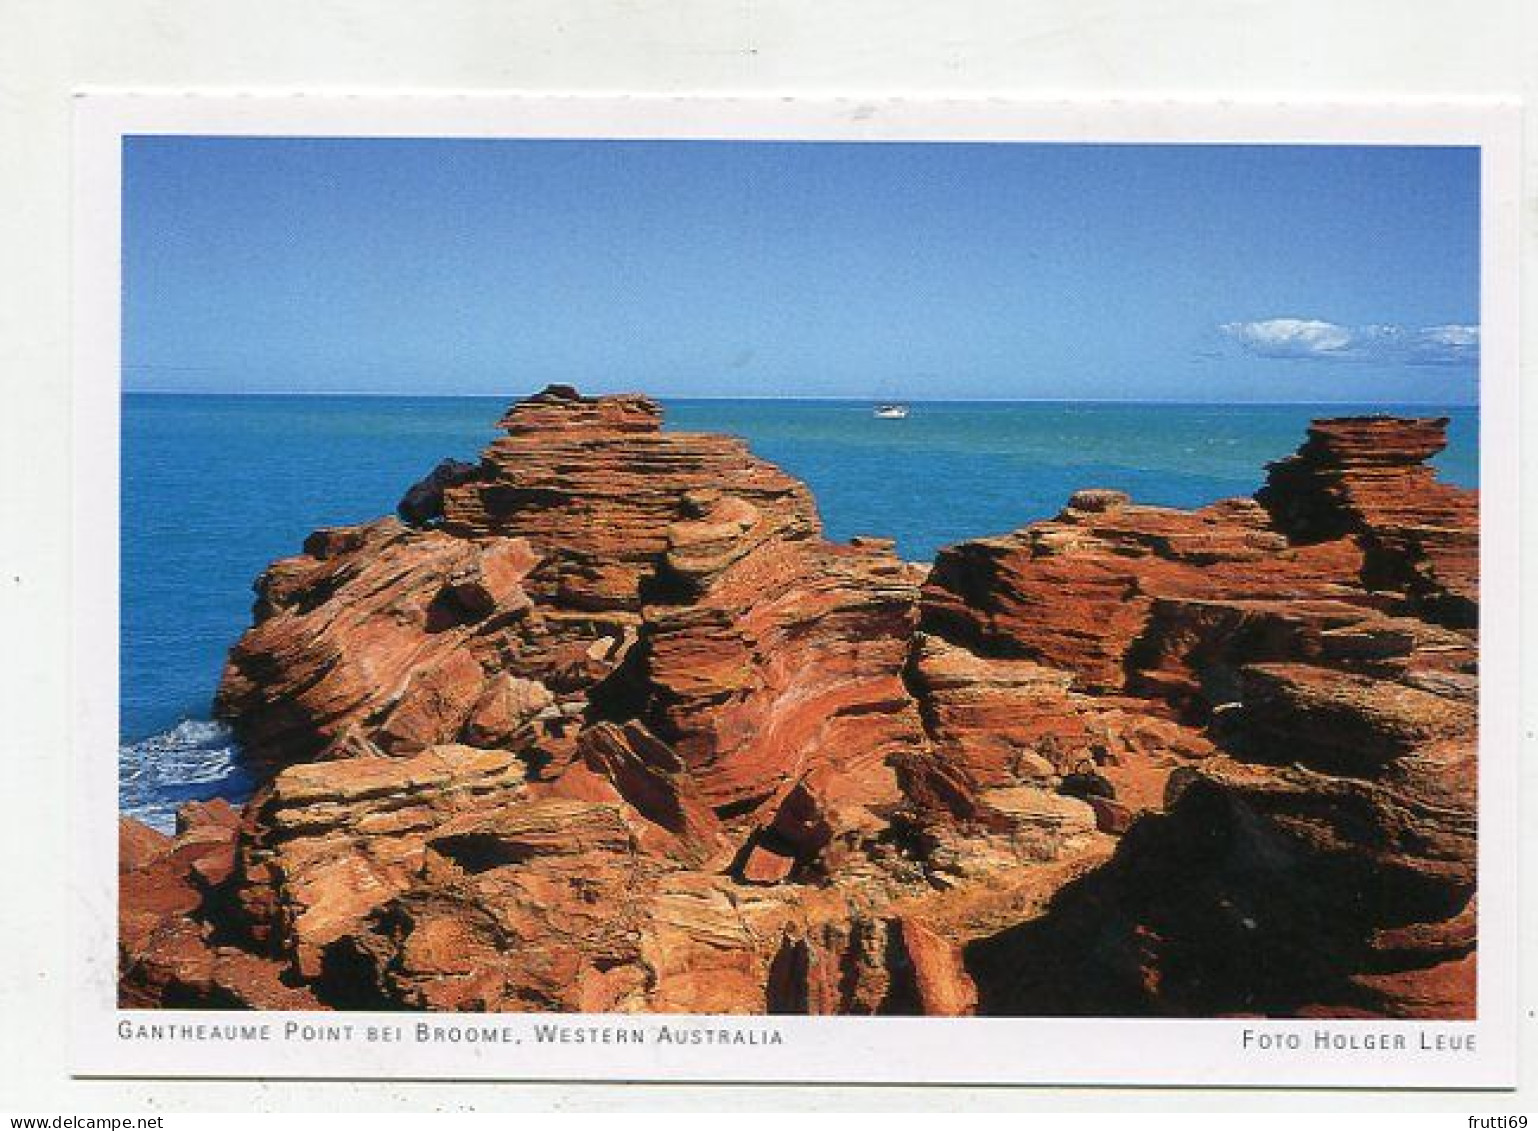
(603, 722)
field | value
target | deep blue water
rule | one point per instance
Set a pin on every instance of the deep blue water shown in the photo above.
(216, 487)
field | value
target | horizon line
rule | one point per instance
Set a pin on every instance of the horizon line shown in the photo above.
(382, 394)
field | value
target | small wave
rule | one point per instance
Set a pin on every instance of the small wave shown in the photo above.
(196, 760)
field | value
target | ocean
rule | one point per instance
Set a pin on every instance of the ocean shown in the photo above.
(216, 487)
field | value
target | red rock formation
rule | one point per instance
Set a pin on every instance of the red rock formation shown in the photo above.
(789, 657)
(594, 484)
(169, 942)
(1078, 592)
(611, 726)
(375, 630)
(1366, 476)
(870, 966)
(1325, 865)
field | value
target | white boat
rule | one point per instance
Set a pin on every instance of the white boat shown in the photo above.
(891, 412)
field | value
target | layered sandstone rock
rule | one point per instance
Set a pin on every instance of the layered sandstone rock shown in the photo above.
(603, 722)
(1322, 862)
(1366, 476)
(173, 951)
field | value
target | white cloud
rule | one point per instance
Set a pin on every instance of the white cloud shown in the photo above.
(1290, 337)
(1445, 345)
(1312, 338)
(1452, 335)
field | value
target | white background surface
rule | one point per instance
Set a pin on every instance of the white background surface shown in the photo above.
(1034, 48)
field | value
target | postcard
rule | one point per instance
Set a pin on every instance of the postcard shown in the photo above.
(796, 590)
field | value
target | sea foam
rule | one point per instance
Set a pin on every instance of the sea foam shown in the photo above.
(195, 760)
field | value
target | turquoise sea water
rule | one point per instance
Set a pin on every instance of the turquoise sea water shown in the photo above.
(216, 487)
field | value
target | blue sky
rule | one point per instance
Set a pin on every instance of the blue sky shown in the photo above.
(782, 269)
